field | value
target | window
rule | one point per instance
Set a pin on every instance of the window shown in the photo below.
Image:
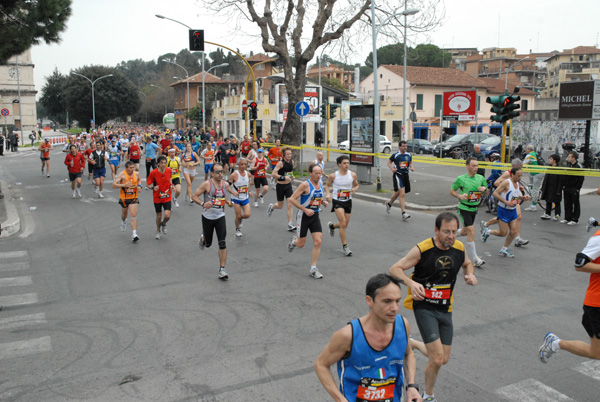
(438, 105)
(524, 104)
(419, 101)
(478, 104)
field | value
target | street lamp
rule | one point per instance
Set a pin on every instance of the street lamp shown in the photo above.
(376, 28)
(187, 81)
(203, 79)
(93, 98)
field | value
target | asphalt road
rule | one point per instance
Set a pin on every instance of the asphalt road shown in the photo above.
(90, 316)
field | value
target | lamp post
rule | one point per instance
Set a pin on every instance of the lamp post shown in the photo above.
(203, 81)
(376, 29)
(187, 81)
(405, 13)
(93, 98)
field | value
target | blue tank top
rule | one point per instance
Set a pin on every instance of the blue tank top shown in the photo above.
(371, 376)
(313, 199)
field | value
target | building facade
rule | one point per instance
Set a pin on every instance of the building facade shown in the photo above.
(17, 93)
(581, 63)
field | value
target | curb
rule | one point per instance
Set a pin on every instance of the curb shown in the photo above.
(12, 224)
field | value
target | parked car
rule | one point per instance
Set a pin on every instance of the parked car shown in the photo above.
(459, 142)
(419, 146)
(491, 145)
(385, 145)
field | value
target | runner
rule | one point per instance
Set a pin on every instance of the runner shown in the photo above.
(87, 153)
(75, 163)
(160, 183)
(319, 161)
(151, 151)
(275, 156)
(345, 183)
(189, 161)
(588, 260)
(45, 148)
(308, 198)
(213, 213)
(399, 163)
(114, 153)
(284, 175)
(208, 154)
(437, 262)
(224, 151)
(174, 164)
(240, 181)
(134, 153)
(372, 352)
(508, 195)
(259, 166)
(233, 153)
(469, 188)
(98, 159)
(245, 147)
(129, 182)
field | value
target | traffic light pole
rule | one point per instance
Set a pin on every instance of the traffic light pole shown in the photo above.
(504, 143)
(327, 132)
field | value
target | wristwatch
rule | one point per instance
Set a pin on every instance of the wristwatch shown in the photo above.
(415, 386)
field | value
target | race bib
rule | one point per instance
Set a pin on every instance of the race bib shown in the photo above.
(130, 190)
(315, 203)
(437, 294)
(403, 165)
(148, 159)
(473, 195)
(218, 202)
(163, 195)
(261, 172)
(135, 154)
(174, 171)
(376, 390)
(343, 195)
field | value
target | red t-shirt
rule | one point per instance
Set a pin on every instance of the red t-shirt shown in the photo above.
(165, 145)
(134, 152)
(163, 181)
(78, 162)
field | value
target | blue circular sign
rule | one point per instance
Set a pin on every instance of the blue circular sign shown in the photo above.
(302, 108)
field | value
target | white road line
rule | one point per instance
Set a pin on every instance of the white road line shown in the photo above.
(22, 321)
(12, 254)
(16, 281)
(23, 348)
(14, 266)
(18, 300)
(591, 369)
(531, 390)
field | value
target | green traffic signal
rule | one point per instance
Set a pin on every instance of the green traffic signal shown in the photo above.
(323, 112)
(332, 109)
(243, 114)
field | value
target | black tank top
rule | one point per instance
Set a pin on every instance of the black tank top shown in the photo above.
(288, 167)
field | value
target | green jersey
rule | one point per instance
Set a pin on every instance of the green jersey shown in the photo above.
(466, 184)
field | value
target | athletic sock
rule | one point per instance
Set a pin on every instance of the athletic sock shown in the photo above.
(555, 345)
(135, 232)
(425, 396)
(471, 252)
(344, 245)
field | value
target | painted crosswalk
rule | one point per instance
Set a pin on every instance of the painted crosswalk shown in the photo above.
(531, 390)
(13, 280)
(591, 369)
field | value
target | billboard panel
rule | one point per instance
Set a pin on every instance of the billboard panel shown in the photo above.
(362, 129)
(312, 96)
(460, 105)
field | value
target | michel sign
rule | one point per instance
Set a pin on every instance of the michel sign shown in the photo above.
(579, 100)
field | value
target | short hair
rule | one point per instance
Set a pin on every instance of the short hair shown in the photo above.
(530, 147)
(514, 170)
(379, 281)
(556, 158)
(312, 166)
(73, 146)
(342, 158)
(243, 160)
(401, 142)
(574, 154)
(469, 159)
(516, 162)
(284, 150)
(445, 216)
(212, 168)
(161, 158)
(128, 164)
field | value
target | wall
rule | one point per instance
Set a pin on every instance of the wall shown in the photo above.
(550, 135)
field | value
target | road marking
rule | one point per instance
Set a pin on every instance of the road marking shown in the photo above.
(14, 266)
(22, 321)
(591, 369)
(16, 281)
(531, 390)
(13, 254)
(18, 300)
(23, 348)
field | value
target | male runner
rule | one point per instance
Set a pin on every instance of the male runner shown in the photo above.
(98, 159)
(240, 181)
(245, 147)
(151, 150)
(224, 150)
(588, 260)
(275, 155)
(308, 198)
(213, 213)
(469, 188)
(399, 163)
(159, 181)
(345, 183)
(45, 148)
(208, 154)
(233, 153)
(75, 163)
(129, 182)
(372, 352)
(134, 153)
(437, 262)
(284, 175)
(174, 164)
(259, 167)
(508, 195)
(114, 154)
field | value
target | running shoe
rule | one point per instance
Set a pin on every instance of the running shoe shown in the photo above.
(135, 238)
(314, 272)
(485, 234)
(48, 175)
(590, 224)
(331, 229)
(255, 204)
(478, 262)
(556, 217)
(176, 203)
(545, 217)
(430, 399)
(521, 242)
(405, 216)
(564, 221)
(388, 206)
(74, 194)
(157, 236)
(504, 252)
(572, 223)
(291, 244)
(238, 233)
(531, 208)
(482, 227)
(79, 193)
(164, 228)
(123, 225)
(546, 349)
(100, 195)
(222, 274)
(262, 199)
(291, 227)
(347, 251)
(270, 210)
(201, 242)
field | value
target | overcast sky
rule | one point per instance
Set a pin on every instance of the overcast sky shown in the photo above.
(110, 31)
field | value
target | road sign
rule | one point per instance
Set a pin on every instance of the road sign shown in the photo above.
(244, 105)
(302, 108)
(5, 112)
(413, 117)
(459, 105)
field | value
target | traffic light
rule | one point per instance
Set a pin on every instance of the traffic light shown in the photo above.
(323, 112)
(332, 109)
(497, 103)
(200, 114)
(196, 40)
(243, 114)
(511, 106)
(253, 110)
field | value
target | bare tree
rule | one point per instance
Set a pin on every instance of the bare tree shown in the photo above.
(295, 29)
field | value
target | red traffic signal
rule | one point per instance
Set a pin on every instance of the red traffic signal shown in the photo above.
(253, 110)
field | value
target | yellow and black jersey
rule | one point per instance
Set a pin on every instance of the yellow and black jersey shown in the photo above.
(436, 271)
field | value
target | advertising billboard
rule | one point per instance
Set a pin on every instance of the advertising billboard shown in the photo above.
(362, 130)
(460, 105)
(312, 96)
